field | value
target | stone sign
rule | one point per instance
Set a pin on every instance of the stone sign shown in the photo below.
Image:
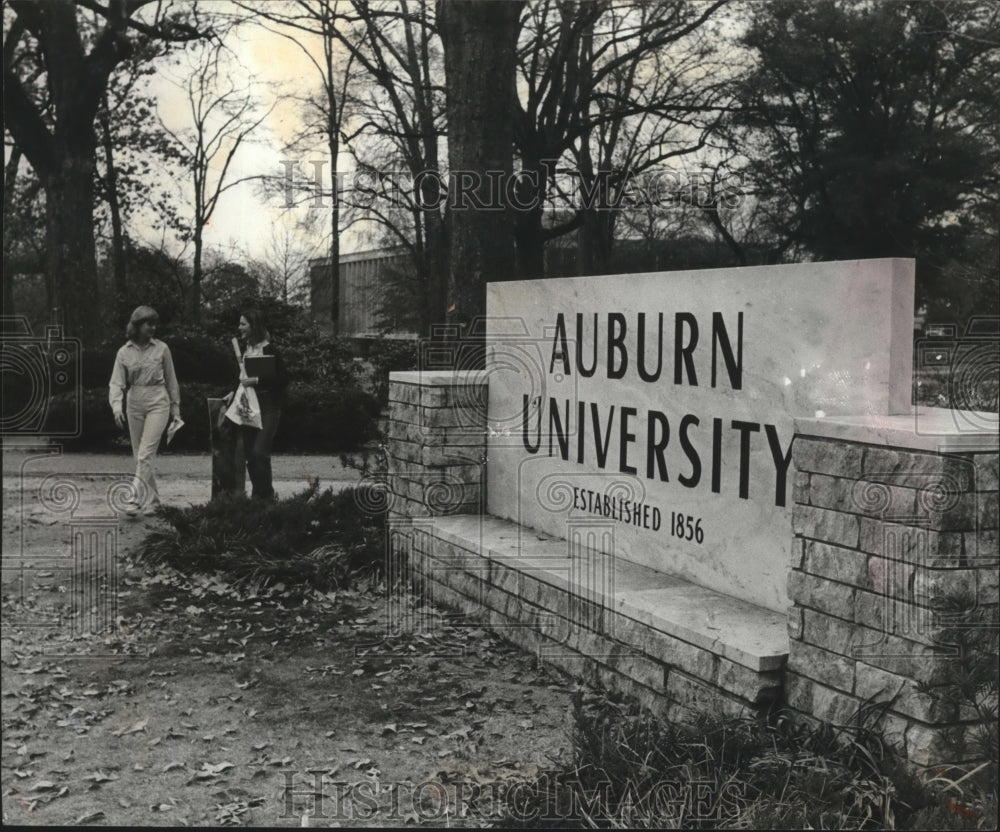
(658, 408)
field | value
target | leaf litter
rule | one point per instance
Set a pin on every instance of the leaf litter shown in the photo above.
(138, 707)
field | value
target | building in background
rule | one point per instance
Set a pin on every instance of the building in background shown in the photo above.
(357, 306)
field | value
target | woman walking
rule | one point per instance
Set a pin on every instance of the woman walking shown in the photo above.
(271, 397)
(144, 378)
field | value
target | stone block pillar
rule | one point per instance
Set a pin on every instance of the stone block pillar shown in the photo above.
(436, 459)
(437, 443)
(888, 523)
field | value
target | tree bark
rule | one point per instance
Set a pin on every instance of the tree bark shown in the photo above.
(479, 45)
(114, 207)
(196, 274)
(9, 187)
(71, 257)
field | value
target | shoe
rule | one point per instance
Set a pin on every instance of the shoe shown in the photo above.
(131, 509)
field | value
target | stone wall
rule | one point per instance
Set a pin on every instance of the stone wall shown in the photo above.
(882, 536)
(886, 522)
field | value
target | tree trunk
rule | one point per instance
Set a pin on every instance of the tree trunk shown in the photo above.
(117, 235)
(530, 245)
(195, 303)
(71, 259)
(9, 188)
(436, 258)
(479, 41)
(334, 147)
(596, 240)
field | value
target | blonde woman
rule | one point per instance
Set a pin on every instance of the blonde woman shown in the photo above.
(144, 390)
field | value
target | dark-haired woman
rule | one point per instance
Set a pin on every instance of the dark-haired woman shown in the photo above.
(271, 396)
(144, 390)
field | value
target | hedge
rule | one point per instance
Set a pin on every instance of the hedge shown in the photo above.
(197, 359)
(324, 420)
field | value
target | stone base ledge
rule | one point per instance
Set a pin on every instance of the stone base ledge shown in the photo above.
(439, 378)
(636, 630)
(935, 429)
(742, 632)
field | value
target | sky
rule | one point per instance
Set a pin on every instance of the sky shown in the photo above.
(273, 68)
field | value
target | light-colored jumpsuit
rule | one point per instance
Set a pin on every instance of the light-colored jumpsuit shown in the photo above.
(146, 372)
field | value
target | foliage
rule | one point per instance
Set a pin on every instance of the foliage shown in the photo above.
(328, 420)
(634, 770)
(88, 413)
(390, 356)
(939, 387)
(971, 683)
(870, 131)
(313, 539)
(58, 59)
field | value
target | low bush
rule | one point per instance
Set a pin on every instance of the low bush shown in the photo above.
(315, 539)
(198, 359)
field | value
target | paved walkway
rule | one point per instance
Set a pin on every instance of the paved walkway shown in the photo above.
(183, 478)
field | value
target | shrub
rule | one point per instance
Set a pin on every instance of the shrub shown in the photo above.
(96, 364)
(327, 420)
(388, 356)
(95, 422)
(197, 359)
(313, 421)
(313, 539)
(200, 359)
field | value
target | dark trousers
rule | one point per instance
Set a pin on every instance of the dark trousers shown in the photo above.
(257, 446)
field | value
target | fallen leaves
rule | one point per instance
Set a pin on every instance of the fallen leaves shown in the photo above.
(88, 817)
(138, 727)
(237, 718)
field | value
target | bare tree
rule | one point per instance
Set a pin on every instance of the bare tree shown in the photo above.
(54, 127)
(613, 88)
(284, 267)
(310, 24)
(223, 114)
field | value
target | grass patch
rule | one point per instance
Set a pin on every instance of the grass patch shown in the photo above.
(315, 539)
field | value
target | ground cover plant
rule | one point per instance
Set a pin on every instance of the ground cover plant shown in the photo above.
(631, 769)
(312, 540)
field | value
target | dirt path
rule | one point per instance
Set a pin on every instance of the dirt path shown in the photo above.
(201, 707)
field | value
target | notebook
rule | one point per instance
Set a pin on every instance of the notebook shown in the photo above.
(264, 367)
(172, 428)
